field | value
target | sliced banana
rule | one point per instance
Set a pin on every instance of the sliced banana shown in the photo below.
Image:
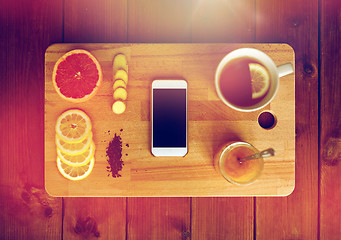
(120, 62)
(121, 74)
(120, 93)
(119, 83)
(118, 107)
(120, 68)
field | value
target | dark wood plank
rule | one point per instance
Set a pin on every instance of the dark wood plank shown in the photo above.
(158, 218)
(330, 123)
(158, 21)
(87, 218)
(95, 21)
(222, 21)
(295, 23)
(26, 30)
(222, 218)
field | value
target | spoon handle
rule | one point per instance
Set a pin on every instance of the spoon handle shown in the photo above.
(265, 153)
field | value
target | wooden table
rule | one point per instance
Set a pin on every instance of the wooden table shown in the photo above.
(312, 211)
(210, 124)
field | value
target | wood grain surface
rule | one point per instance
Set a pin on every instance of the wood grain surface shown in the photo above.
(223, 21)
(86, 218)
(193, 175)
(158, 218)
(225, 218)
(89, 21)
(143, 19)
(27, 28)
(330, 123)
(159, 21)
(298, 213)
(208, 25)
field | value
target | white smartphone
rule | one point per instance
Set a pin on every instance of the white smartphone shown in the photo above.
(169, 118)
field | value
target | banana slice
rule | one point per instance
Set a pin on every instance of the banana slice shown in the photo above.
(118, 107)
(119, 83)
(120, 93)
(120, 62)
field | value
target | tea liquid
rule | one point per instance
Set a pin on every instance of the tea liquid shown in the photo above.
(235, 83)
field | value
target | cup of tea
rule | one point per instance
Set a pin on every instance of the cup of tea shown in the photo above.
(227, 163)
(247, 79)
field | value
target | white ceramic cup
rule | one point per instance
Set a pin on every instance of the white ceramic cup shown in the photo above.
(259, 56)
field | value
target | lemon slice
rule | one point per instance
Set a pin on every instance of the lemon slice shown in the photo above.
(79, 159)
(260, 80)
(73, 148)
(121, 74)
(75, 173)
(73, 126)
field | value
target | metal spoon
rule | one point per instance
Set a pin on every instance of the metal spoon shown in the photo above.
(265, 153)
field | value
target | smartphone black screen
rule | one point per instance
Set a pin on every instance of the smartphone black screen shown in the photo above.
(169, 118)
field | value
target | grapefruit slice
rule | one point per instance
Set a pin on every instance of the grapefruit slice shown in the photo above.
(260, 80)
(77, 76)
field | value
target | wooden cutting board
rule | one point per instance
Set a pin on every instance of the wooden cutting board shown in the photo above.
(210, 124)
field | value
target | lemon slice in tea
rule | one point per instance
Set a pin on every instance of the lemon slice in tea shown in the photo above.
(75, 173)
(73, 126)
(260, 80)
(79, 159)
